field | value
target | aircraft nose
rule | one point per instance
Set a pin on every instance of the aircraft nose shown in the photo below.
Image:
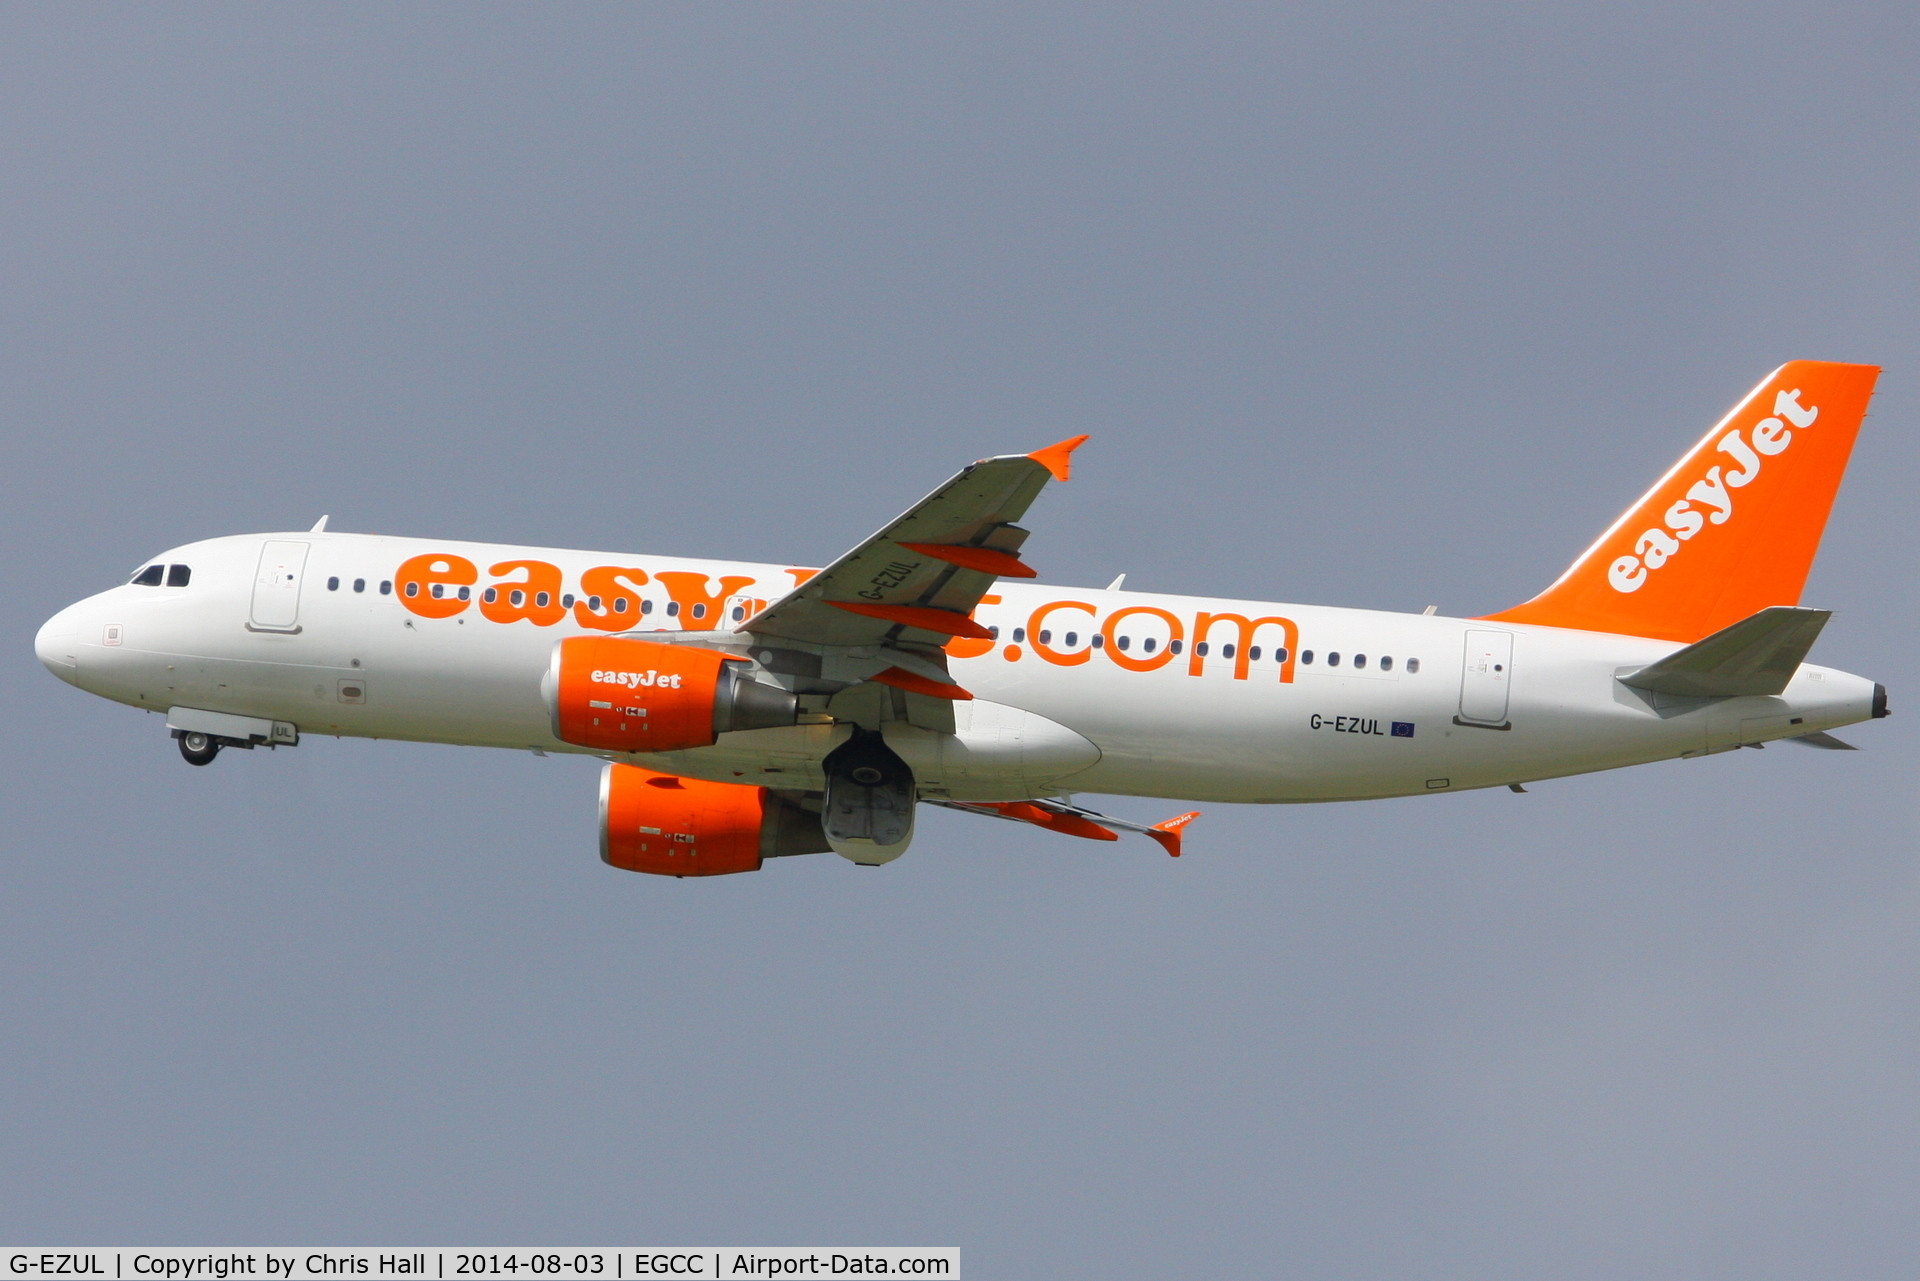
(57, 645)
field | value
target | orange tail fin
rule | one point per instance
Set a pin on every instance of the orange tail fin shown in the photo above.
(1732, 528)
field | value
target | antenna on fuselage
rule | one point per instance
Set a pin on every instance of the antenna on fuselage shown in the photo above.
(319, 526)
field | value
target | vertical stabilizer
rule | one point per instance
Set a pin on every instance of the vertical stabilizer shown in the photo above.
(1732, 528)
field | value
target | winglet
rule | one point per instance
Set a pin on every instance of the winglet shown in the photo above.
(1056, 458)
(1168, 833)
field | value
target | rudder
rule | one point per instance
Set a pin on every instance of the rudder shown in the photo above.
(1732, 528)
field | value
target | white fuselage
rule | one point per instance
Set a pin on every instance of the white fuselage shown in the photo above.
(1455, 708)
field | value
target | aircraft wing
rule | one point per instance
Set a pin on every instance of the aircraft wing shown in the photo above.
(916, 581)
(1069, 819)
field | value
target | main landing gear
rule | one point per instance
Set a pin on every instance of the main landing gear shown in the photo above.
(871, 796)
(198, 748)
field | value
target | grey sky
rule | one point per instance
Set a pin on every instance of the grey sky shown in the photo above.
(1378, 308)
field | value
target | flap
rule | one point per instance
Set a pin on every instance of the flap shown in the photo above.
(902, 584)
(1757, 655)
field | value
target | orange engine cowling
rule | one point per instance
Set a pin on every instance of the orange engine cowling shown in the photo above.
(641, 696)
(673, 826)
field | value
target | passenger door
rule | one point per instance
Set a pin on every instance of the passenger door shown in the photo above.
(276, 587)
(1486, 678)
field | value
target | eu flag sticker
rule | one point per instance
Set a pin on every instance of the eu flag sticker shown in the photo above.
(1403, 729)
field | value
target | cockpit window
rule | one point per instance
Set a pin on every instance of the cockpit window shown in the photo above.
(150, 576)
(177, 575)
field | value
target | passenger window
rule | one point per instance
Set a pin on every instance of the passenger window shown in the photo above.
(439, 589)
(620, 606)
(646, 606)
(1149, 644)
(1099, 641)
(413, 589)
(1253, 654)
(1019, 634)
(566, 602)
(1173, 646)
(359, 584)
(1333, 658)
(699, 611)
(386, 587)
(1280, 655)
(333, 584)
(490, 596)
(1200, 648)
(1046, 636)
(1359, 660)
(516, 597)
(1126, 641)
(177, 575)
(1386, 662)
(1306, 656)
(148, 577)
(1226, 651)
(593, 603)
(466, 593)
(541, 600)
(739, 612)
(994, 632)
(1073, 638)
(1413, 665)
(673, 609)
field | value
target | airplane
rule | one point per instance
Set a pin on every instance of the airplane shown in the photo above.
(754, 711)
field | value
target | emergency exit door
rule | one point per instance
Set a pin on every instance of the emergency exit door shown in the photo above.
(1487, 677)
(276, 587)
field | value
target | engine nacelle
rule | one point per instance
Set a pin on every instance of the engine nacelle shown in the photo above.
(673, 826)
(624, 695)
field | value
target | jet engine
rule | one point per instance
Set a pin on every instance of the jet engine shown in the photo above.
(625, 695)
(673, 826)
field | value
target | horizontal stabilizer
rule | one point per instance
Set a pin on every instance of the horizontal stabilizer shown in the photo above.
(1820, 738)
(1757, 655)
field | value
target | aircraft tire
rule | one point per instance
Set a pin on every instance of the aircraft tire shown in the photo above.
(197, 748)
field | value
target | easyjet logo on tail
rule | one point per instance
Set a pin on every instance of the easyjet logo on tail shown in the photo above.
(1714, 492)
(1729, 529)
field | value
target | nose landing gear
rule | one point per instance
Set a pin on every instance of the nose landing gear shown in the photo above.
(201, 734)
(198, 748)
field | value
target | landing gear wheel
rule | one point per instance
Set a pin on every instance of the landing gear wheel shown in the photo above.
(198, 748)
